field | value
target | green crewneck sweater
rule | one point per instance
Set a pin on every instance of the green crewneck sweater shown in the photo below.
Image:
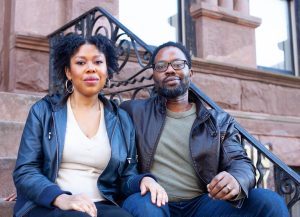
(172, 161)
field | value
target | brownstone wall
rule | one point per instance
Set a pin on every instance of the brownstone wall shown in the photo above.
(24, 67)
(2, 11)
(266, 104)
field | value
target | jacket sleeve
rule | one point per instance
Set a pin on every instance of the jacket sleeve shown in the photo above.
(130, 178)
(235, 161)
(28, 176)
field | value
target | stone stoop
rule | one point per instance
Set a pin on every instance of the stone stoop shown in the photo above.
(14, 109)
(10, 136)
(7, 186)
(6, 208)
(15, 106)
(7, 166)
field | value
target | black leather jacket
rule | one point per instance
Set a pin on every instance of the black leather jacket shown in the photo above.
(214, 142)
(41, 150)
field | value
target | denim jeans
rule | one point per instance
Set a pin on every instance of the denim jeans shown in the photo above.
(104, 210)
(260, 203)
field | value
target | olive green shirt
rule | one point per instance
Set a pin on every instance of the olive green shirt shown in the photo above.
(172, 161)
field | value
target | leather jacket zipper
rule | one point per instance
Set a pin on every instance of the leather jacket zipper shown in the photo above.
(57, 151)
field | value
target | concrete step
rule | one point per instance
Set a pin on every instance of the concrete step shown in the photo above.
(6, 208)
(7, 166)
(15, 106)
(10, 136)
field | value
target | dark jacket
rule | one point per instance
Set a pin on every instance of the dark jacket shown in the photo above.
(41, 148)
(215, 144)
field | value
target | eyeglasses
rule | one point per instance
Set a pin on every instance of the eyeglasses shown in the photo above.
(162, 66)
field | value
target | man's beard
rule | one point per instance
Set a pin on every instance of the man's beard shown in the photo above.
(171, 93)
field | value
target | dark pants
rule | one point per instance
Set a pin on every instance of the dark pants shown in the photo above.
(260, 203)
(104, 210)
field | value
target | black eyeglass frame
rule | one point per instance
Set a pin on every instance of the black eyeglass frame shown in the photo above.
(169, 63)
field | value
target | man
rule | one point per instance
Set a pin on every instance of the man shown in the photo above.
(195, 153)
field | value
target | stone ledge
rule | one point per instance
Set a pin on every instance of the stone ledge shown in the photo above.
(220, 13)
(270, 128)
(264, 117)
(32, 42)
(243, 73)
(261, 124)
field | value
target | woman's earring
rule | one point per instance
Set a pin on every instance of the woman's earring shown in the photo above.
(69, 86)
(108, 83)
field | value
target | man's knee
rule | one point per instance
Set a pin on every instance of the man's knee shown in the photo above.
(139, 205)
(267, 200)
(265, 196)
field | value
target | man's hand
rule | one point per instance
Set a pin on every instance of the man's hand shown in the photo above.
(11, 197)
(79, 202)
(158, 193)
(223, 187)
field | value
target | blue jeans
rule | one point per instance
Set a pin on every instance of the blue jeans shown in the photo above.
(260, 203)
(105, 209)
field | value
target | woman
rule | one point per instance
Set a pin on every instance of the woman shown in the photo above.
(77, 155)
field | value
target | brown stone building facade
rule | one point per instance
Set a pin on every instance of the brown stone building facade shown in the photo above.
(267, 104)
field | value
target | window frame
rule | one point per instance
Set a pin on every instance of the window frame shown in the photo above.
(294, 35)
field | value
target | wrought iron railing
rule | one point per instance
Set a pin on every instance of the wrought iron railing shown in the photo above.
(135, 80)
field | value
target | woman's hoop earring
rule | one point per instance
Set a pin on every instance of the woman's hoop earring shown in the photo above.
(69, 86)
(108, 83)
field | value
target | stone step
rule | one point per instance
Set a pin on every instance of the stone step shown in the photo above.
(15, 106)
(10, 136)
(7, 166)
(6, 208)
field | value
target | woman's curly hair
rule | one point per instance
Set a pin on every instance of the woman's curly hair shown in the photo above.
(66, 46)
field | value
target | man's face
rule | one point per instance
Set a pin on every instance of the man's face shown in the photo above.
(170, 82)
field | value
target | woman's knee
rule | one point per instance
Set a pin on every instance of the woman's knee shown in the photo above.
(42, 211)
(139, 205)
(73, 213)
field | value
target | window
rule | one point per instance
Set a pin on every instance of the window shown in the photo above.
(275, 47)
(155, 21)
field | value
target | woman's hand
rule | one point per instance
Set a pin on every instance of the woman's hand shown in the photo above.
(79, 202)
(158, 193)
(11, 197)
(223, 187)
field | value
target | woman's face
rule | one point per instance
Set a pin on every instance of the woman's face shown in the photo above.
(88, 70)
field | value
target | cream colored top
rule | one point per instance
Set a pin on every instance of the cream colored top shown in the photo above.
(83, 158)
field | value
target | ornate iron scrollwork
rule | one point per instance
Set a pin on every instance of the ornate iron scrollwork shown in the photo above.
(99, 21)
(286, 186)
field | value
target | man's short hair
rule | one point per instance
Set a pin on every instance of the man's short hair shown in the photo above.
(173, 44)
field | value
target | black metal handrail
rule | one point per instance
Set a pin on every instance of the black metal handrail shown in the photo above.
(287, 182)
